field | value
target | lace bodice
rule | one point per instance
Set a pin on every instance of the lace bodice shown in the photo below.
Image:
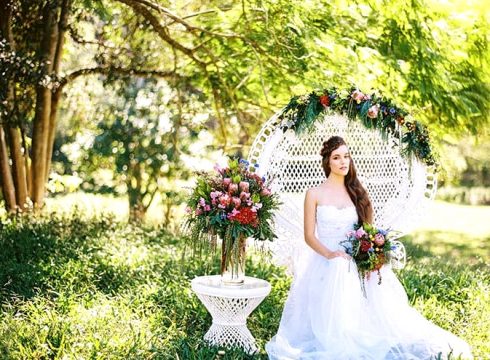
(333, 224)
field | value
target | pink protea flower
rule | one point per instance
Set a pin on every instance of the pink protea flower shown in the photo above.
(373, 111)
(233, 188)
(379, 239)
(236, 201)
(265, 192)
(244, 195)
(226, 181)
(244, 186)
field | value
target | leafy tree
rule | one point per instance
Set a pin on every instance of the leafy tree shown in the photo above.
(142, 136)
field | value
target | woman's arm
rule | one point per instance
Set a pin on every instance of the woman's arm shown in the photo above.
(310, 238)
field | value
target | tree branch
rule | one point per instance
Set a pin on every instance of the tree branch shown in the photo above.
(160, 29)
(105, 70)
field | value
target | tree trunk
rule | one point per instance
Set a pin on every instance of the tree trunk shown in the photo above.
(137, 209)
(55, 101)
(43, 109)
(18, 167)
(7, 181)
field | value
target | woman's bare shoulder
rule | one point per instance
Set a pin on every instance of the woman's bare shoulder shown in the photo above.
(312, 194)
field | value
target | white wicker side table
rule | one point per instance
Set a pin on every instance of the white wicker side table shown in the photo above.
(230, 308)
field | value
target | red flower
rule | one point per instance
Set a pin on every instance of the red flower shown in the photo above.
(246, 216)
(325, 100)
(365, 245)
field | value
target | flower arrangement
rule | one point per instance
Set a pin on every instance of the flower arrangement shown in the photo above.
(233, 203)
(374, 112)
(370, 249)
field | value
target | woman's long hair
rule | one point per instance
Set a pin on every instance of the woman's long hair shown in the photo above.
(356, 191)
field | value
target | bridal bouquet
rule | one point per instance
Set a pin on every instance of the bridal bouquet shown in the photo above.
(370, 248)
(233, 203)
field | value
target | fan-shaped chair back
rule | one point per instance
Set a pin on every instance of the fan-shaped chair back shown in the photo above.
(398, 187)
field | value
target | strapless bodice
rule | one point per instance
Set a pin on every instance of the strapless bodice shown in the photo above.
(333, 223)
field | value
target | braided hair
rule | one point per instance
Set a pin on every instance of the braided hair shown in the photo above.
(356, 191)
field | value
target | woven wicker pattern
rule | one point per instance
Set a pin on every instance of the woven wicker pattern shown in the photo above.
(229, 328)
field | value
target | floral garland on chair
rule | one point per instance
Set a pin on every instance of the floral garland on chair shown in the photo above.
(374, 112)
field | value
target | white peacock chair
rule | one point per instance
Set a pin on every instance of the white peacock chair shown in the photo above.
(399, 187)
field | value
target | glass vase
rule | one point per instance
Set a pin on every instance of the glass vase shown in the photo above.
(233, 254)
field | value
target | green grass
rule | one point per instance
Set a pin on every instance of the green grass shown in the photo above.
(75, 286)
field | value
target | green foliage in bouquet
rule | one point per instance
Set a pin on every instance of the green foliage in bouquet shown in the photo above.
(232, 203)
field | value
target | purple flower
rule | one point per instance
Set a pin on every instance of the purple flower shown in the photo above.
(392, 111)
(202, 202)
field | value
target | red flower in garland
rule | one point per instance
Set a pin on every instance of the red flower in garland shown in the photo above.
(246, 217)
(325, 100)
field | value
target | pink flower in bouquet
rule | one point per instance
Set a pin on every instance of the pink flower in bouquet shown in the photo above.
(379, 239)
(358, 96)
(207, 208)
(215, 194)
(226, 182)
(236, 201)
(373, 111)
(244, 195)
(198, 211)
(232, 188)
(233, 213)
(188, 210)
(351, 233)
(202, 202)
(265, 192)
(225, 200)
(244, 186)
(360, 233)
(365, 245)
(256, 207)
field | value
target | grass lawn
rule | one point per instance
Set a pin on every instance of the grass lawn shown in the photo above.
(79, 286)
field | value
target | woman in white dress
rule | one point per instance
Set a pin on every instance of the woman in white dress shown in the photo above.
(326, 315)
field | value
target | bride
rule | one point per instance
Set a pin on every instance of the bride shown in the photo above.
(326, 315)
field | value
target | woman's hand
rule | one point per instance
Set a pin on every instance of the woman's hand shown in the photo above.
(338, 253)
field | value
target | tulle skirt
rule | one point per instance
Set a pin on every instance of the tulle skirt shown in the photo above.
(327, 316)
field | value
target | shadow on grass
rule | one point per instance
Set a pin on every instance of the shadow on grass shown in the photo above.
(70, 254)
(458, 248)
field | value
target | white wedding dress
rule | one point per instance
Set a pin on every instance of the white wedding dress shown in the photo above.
(326, 316)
